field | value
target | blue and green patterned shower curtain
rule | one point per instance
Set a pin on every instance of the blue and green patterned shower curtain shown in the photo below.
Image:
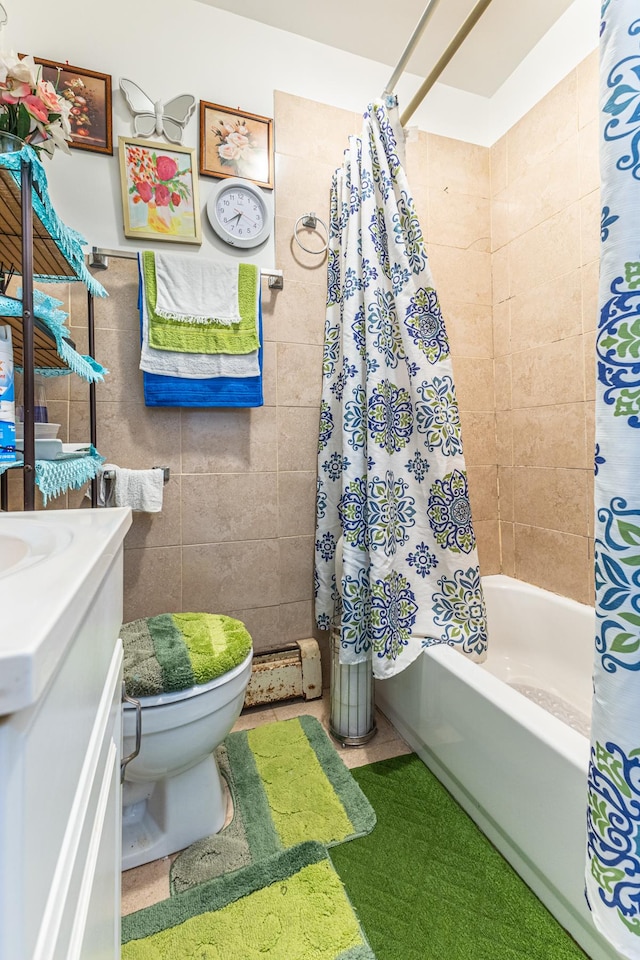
(613, 819)
(391, 473)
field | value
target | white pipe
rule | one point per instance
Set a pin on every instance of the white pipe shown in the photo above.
(410, 47)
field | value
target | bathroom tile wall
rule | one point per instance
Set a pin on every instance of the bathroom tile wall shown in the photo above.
(545, 228)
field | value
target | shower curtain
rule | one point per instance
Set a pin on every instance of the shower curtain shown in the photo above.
(391, 473)
(613, 817)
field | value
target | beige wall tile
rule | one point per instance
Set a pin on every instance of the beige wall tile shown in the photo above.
(553, 498)
(469, 328)
(500, 275)
(229, 506)
(229, 440)
(479, 437)
(488, 539)
(590, 424)
(555, 561)
(546, 312)
(547, 125)
(231, 576)
(263, 623)
(504, 437)
(299, 375)
(588, 73)
(298, 429)
(459, 167)
(459, 220)
(590, 217)
(474, 383)
(270, 374)
(304, 184)
(296, 568)
(590, 300)
(589, 146)
(551, 436)
(297, 622)
(550, 374)
(505, 493)
(501, 221)
(545, 188)
(460, 275)
(498, 165)
(483, 492)
(300, 122)
(300, 312)
(132, 435)
(549, 250)
(117, 311)
(589, 347)
(296, 504)
(507, 549)
(124, 381)
(153, 582)
(503, 384)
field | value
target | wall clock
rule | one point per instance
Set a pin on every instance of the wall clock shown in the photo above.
(240, 213)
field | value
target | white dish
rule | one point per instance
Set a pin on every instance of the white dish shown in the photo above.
(56, 449)
(43, 431)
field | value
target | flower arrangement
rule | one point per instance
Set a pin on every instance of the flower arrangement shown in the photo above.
(155, 178)
(30, 107)
(235, 145)
(75, 92)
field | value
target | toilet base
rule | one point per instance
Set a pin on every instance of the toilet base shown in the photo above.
(164, 817)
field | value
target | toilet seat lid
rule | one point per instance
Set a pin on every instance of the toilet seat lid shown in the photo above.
(163, 699)
(177, 652)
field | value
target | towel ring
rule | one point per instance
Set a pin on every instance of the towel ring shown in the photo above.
(310, 221)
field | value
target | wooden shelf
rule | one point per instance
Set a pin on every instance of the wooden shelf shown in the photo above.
(47, 258)
(43, 343)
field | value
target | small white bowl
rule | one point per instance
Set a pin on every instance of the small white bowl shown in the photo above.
(43, 431)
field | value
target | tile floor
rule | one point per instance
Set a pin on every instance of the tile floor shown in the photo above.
(148, 884)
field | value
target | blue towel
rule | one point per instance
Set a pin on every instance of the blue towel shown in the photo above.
(160, 391)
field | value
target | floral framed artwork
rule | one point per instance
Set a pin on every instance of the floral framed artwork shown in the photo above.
(236, 144)
(89, 94)
(159, 191)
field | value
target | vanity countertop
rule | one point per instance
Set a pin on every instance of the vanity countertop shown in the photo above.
(51, 565)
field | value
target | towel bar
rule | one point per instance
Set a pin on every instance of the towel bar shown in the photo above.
(110, 475)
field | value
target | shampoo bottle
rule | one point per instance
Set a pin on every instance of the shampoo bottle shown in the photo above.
(7, 398)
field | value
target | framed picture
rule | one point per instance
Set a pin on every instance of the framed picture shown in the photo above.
(235, 144)
(89, 94)
(159, 191)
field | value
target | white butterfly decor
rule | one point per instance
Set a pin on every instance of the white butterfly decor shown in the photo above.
(164, 119)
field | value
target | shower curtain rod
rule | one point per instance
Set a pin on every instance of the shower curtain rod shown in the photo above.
(99, 257)
(444, 60)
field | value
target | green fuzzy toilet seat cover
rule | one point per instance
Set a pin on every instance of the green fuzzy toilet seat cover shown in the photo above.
(175, 651)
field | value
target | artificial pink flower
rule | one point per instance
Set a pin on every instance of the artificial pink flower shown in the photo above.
(36, 108)
(145, 190)
(175, 199)
(13, 91)
(162, 195)
(47, 93)
(167, 168)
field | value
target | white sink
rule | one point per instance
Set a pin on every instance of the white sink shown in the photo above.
(25, 542)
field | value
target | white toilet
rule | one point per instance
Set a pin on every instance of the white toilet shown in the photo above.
(172, 793)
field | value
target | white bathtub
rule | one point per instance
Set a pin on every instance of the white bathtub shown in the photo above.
(519, 771)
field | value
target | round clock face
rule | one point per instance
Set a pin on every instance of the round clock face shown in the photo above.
(239, 214)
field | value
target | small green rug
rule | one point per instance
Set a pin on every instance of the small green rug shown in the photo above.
(288, 785)
(289, 907)
(428, 885)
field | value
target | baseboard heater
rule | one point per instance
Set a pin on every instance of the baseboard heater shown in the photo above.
(293, 671)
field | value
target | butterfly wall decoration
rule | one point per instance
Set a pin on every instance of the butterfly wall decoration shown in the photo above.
(164, 119)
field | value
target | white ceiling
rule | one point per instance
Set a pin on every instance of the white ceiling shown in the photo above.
(506, 33)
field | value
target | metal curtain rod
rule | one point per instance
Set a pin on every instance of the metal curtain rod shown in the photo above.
(410, 47)
(444, 60)
(99, 257)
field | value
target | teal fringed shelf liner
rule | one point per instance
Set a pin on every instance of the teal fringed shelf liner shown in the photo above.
(53, 477)
(46, 309)
(68, 241)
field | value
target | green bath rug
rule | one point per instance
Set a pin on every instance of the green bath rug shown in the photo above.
(288, 907)
(288, 786)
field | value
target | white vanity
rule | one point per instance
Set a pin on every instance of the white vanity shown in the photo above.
(60, 733)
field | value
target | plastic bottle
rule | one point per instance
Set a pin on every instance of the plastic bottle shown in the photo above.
(7, 398)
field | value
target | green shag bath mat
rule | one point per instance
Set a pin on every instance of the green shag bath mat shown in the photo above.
(428, 885)
(288, 785)
(288, 907)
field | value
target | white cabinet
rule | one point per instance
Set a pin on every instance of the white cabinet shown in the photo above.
(60, 743)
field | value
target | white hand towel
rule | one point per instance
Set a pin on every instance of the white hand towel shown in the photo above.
(193, 366)
(195, 290)
(139, 489)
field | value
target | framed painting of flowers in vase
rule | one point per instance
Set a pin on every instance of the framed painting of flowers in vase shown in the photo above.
(159, 191)
(89, 96)
(236, 144)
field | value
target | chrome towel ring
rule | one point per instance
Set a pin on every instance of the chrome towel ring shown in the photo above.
(311, 221)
